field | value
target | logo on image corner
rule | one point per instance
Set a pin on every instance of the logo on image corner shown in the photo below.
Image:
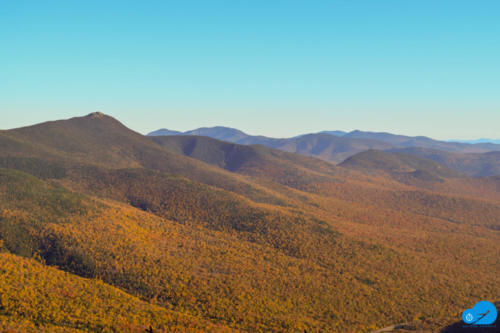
(483, 313)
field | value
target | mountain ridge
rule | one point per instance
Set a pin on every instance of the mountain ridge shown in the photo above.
(336, 146)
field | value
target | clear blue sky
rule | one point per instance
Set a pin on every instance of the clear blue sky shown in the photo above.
(276, 68)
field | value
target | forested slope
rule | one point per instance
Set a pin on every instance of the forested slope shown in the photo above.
(244, 237)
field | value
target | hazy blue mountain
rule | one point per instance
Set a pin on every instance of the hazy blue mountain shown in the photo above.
(164, 132)
(424, 142)
(328, 147)
(325, 146)
(220, 133)
(336, 133)
(336, 146)
(482, 140)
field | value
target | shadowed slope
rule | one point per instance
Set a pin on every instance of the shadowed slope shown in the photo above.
(256, 160)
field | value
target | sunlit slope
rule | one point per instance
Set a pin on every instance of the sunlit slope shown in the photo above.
(218, 275)
(189, 269)
(37, 298)
(188, 202)
(429, 213)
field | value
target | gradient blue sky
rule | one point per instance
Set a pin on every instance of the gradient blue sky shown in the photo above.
(277, 68)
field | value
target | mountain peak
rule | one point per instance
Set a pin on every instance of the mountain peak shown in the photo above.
(96, 114)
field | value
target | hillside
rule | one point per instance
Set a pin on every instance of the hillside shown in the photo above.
(245, 237)
(38, 298)
(399, 164)
(101, 141)
(329, 147)
(255, 160)
(470, 164)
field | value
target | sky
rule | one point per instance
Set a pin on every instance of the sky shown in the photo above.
(275, 68)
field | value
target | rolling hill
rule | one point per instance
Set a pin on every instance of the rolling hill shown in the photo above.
(470, 164)
(399, 164)
(204, 235)
(255, 160)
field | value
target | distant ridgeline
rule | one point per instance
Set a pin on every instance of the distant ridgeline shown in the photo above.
(473, 158)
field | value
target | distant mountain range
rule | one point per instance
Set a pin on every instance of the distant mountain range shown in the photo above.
(237, 136)
(482, 140)
(472, 159)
